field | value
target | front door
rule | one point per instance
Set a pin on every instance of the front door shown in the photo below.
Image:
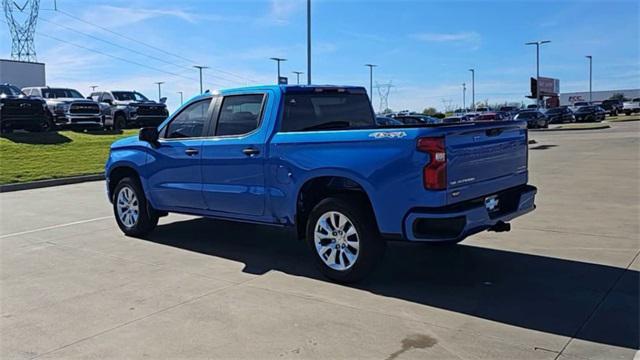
(233, 159)
(175, 177)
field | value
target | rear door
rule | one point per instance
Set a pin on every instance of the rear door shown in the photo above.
(233, 158)
(175, 178)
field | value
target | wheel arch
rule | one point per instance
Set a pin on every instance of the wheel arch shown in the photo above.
(118, 173)
(316, 188)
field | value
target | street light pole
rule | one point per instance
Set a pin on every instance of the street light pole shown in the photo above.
(308, 42)
(298, 73)
(94, 87)
(464, 94)
(159, 83)
(473, 88)
(537, 44)
(181, 97)
(278, 60)
(199, 67)
(370, 66)
(590, 76)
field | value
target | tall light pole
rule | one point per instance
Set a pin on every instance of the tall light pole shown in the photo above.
(590, 76)
(473, 88)
(298, 73)
(278, 60)
(370, 66)
(464, 95)
(199, 67)
(94, 87)
(181, 97)
(308, 42)
(537, 44)
(159, 83)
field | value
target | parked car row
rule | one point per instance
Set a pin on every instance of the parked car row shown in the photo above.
(48, 108)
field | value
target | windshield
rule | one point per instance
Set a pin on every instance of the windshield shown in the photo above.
(586, 108)
(61, 93)
(129, 96)
(325, 111)
(10, 90)
(555, 111)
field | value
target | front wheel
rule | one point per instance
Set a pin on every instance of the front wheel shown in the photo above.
(344, 238)
(133, 214)
(119, 122)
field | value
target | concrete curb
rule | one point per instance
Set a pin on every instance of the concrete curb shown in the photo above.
(599, 127)
(51, 182)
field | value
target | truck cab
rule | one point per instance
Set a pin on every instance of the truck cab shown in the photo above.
(314, 159)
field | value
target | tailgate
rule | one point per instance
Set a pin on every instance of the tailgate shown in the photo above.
(485, 158)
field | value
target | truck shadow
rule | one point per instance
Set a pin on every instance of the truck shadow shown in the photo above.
(540, 293)
(44, 138)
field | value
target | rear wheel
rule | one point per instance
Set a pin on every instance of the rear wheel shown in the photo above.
(134, 215)
(344, 238)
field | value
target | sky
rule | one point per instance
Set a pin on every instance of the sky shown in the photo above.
(423, 48)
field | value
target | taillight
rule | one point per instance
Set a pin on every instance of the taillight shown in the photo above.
(435, 173)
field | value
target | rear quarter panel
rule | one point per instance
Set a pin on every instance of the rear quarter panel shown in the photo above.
(388, 168)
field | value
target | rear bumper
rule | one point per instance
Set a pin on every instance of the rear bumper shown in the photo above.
(454, 223)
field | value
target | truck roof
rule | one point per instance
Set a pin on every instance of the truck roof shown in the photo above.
(294, 88)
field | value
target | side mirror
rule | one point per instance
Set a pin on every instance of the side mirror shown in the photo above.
(108, 101)
(150, 135)
(163, 100)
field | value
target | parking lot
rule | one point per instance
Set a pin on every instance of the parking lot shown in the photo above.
(562, 284)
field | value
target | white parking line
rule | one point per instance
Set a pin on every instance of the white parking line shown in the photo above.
(55, 226)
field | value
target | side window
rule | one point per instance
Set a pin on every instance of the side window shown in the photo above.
(190, 122)
(239, 114)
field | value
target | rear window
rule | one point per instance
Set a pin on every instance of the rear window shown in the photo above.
(326, 111)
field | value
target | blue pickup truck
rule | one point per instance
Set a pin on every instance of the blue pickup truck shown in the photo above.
(313, 159)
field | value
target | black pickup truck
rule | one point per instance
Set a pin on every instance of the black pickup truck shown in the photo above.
(19, 111)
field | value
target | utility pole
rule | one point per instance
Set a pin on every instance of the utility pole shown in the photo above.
(159, 83)
(590, 76)
(537, 44)
(278, 60)
(298, 73)
(181, 97)
(464, 93)
(199, 67)
(308, 42)
(93, 88)
(371, 66)
(473, 88)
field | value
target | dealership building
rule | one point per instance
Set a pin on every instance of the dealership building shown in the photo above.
(22, 74)
(571, 98)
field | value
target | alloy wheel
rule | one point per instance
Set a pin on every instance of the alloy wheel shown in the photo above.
(127, 205)
(336, 241)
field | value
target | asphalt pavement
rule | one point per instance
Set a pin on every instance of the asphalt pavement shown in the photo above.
(563, 284)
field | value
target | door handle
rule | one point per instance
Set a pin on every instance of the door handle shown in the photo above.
(191, 152)
(251, 151)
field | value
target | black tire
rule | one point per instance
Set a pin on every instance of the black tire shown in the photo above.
(370, 245)
(627, 113)
(45, 126)
(147, 216)
(119, 122)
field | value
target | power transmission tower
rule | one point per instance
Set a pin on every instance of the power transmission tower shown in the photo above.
(22, 26)
(383, 94)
